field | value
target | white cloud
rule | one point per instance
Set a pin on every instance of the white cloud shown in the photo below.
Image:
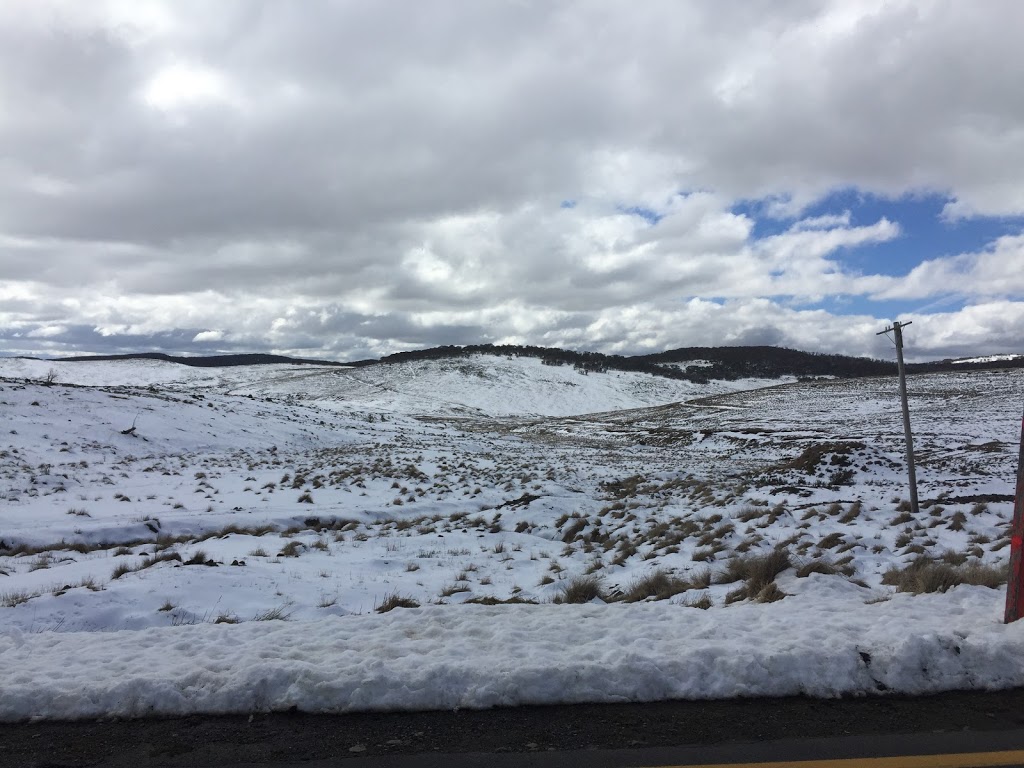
(997, 271)
(184, 84)
(827, 221)
(389, 177)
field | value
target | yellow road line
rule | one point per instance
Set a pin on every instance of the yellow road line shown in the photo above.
(965, 760)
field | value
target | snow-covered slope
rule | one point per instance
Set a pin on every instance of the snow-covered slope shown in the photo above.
(988, 359)
(280, 507)
(480, 385)
(144, 373)
(497, 386)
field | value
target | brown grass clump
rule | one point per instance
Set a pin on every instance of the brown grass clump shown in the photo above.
(291, 549)
(813, 455)
(926, 575)
(831, 541)
(658, 584)
(703, 602)
(956, 522)
(770, 593)
(395, 600)
(491, 600)
(827, 567)
(581, 589)
(757, 570)
(700, 578)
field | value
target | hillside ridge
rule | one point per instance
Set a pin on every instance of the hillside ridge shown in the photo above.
(695, 364)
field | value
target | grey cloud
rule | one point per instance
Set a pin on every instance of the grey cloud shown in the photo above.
(767, 336)
(351, 134)
(80, 340)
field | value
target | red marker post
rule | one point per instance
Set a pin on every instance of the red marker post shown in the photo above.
(1015, 583)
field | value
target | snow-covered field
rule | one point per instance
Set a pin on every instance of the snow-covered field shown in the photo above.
(235, 551)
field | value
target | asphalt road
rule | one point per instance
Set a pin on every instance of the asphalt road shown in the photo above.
(665, 733)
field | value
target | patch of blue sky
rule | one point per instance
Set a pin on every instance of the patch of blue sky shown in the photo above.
(923, 235)
(889, 309)
(649, 215)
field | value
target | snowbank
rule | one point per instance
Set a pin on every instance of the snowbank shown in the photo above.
(816, 644)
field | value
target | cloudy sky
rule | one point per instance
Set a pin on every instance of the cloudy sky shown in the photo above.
(349, 179)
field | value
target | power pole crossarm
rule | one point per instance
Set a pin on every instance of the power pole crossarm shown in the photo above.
(897, 330)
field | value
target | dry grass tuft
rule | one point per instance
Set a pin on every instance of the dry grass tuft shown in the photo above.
(491, 600)
(703, 602)
(280, 613)
(757, 570)
(582, 589)
(658, 584)
(769, 593)
(15, 597)
(825, 566)
(926, 575)
(395, 600)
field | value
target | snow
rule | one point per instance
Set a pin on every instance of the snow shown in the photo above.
(988, 359)
(478, 657)
(230, 554)
(474, 385)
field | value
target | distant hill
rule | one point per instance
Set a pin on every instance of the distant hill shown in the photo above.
(771, 362)
(211, 361)
(695, 364)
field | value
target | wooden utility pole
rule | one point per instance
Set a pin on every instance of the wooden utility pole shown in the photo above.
(1015, 580)
(897, 330)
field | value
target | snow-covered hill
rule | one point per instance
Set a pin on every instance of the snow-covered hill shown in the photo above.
(152, 515)
(479, 385)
